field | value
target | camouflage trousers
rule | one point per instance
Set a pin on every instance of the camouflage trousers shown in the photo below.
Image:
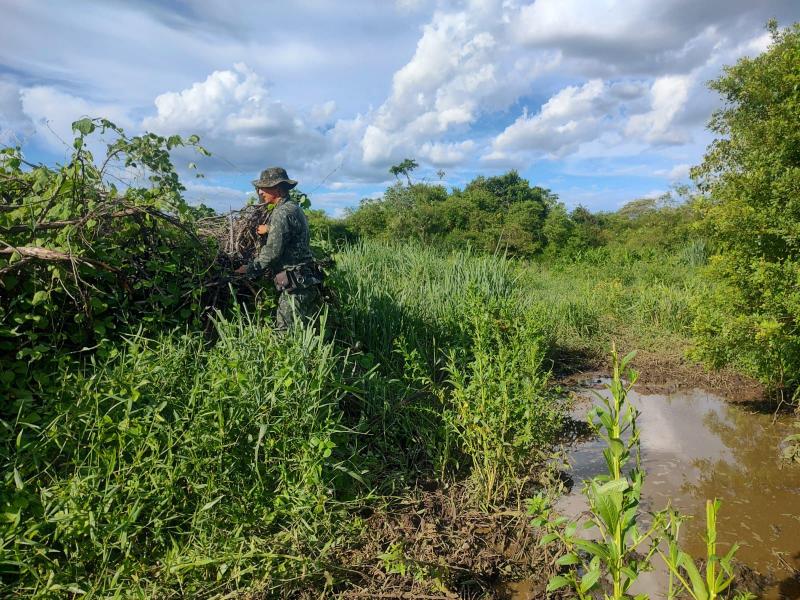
(299, 307)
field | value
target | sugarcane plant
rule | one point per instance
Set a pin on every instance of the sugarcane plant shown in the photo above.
(619, 550)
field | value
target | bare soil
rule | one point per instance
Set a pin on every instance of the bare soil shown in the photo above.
(450, 551)
(666, 373)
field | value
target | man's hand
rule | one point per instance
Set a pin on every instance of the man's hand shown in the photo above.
(262, 229)
(241, 270)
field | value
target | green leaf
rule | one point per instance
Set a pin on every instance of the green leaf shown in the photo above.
(589, 579)
(628, 358)
(608, 501)
(210, 504)
(556, 583)
(592, 548)
(698, 584)
(39, 297)
(547, 538)
(83, 126)
(568, 559)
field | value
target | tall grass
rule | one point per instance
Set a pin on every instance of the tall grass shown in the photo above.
(178, 469)
(184, 467)
(645, 300)
(458, 331)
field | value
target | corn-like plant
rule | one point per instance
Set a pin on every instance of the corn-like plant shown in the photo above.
(718, 573)
(611, 563)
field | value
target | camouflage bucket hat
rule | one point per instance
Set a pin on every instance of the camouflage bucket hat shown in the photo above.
(273, 176)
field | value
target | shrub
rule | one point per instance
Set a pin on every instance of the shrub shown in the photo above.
(750, 179)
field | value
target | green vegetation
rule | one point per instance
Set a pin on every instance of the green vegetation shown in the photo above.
(614, 499)
(616, 552)
(80, 257)
(159, 439)
(750, 180)
(719, 569)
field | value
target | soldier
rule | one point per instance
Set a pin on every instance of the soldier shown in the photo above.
(286, 255)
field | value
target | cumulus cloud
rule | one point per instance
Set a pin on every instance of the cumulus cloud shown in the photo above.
(669, 95)
(219, 197)
(52, 113)
(463, 67)
(642, 37)
(237, 118)
(15, 125)
(339, 97)
(571, 117)
(446, 155)
(679, 171)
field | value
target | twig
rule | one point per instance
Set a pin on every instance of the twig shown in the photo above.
(13, 267)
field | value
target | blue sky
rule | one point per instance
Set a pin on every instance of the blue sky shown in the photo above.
(602, 101)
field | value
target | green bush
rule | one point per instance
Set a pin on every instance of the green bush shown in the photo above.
(497, 404)
(750, 179)
(79, 258)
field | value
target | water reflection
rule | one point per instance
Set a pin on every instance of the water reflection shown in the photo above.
(696, 446)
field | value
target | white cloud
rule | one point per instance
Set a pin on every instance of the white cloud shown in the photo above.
(668, 95)
(463, 67)
(236, 118)
(52, 113)
(571, 117)
(680, 171)
(15, 126)
(343, 94)
(220, 198)
(446, 155)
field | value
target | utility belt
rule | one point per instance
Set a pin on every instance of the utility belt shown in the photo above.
(298, 277)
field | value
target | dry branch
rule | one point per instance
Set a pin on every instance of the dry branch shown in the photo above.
(47, 254)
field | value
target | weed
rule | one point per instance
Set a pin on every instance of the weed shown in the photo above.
(613, 502)
(718, 575)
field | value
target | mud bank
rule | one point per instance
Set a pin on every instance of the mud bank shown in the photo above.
(435, 546)
(670, 373)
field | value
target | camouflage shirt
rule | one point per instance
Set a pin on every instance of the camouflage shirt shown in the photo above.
(287, 242)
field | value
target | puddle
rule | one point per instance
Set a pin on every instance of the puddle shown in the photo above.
(696, 446)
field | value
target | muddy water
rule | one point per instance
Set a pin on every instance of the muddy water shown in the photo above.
(696, 446)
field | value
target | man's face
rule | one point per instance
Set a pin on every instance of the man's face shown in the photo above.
(269, 195)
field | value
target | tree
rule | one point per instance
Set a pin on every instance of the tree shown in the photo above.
(404, 168)
(750, 204)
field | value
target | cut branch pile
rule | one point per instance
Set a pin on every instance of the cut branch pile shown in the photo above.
(78, 257)
(235, 232)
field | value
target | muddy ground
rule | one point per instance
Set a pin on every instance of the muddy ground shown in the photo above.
(665, 374)
(438, 546)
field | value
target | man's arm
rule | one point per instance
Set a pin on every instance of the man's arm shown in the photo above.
(271, 251)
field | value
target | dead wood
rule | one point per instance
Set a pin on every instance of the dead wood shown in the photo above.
(35, 252)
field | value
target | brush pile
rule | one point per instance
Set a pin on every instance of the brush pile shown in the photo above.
(80, 258)
(235, 233)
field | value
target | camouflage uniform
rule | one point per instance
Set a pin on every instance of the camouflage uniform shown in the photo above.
(287, 251)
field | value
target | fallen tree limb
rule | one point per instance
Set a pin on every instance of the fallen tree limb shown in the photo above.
(55, 255)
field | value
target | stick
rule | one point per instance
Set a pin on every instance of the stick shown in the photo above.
(55, 255)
